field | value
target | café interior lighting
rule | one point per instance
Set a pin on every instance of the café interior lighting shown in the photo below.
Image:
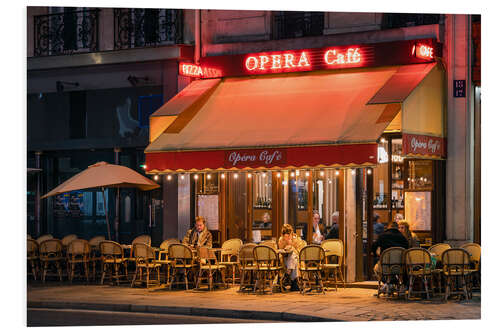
(223, 175)
(169, 177)
(196, 176)
(235, 176)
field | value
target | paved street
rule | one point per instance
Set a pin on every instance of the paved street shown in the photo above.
(350, 304)
(64, 317)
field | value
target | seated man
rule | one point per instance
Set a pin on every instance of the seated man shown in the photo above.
(199, 235)
(290, 242)
(334, 230)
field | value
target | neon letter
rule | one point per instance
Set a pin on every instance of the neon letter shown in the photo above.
(353, 56)
(288, 60)
(327, 54)
(303, 59)
(276, 61)
(251, 63)
(263, 61)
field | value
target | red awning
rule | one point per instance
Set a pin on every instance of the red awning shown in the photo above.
(315, 119)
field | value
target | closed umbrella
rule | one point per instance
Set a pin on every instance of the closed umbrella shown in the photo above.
(104, 175)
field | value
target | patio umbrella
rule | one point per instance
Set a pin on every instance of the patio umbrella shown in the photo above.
(104, 175)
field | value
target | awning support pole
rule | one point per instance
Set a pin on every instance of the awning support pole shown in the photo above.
(106, 212)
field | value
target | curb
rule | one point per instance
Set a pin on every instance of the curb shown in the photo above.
(190, 311)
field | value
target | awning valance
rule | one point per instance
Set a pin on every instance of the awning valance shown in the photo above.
(315, 119)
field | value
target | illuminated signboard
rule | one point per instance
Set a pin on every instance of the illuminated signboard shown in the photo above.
(333, 57)
(423, 51)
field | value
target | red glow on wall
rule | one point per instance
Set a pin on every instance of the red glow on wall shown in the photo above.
(288, 62)
(423, 51)
(193, 70)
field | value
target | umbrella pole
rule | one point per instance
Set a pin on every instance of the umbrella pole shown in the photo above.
(117, 214)
(106, 212)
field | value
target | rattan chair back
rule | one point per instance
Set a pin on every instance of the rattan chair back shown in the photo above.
(179, 252)
(438, 249)
(231, 246)
(78, 247)
(302, 244)
(418, 260)
(311, 257)
(245, 255)
(32, 248)
(144, 239)
(334, 248)
(456, 261)
(51, 248)
(40, 239)
(110, 249)
(392, 261)
(67, 239)
(271, 243)
(94, 241)
(474, 250)
(143, 251)
(265, 257)
(166, 243)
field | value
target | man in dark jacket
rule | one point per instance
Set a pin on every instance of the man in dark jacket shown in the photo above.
(390, 238)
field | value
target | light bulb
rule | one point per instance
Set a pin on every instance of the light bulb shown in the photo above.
(222, 176)
(307, 173)
(209, 176)
(249, 175)
(263, 174)
(156, 177)
(182, 176)
(235, 176)
(196, 176)
(369, 171)
(322, 173)
(169, 177)
(353, 172)
(278, 175)
(292, 174)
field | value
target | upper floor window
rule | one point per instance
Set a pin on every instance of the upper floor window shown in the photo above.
(397, 20)
(297, 24)
(148, 105)
(66, 30)
(136, 27)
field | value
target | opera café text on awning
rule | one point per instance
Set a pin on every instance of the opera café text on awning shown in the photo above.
(260, 140)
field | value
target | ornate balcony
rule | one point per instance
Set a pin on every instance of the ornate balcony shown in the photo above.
(135, 27)
(66, 33)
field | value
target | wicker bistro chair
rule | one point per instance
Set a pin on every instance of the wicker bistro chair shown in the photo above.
(67, 239)
(95, 255)
(51, 257)
(475, 256)
(247, 266)
(392, 269)
(182, 258)
(145, 261)
(163, 256)
(33, 257)
(271, 243)
(229, 254)
(112, 260)
(456, 269)
(40, 239)
(78, 253)
(209, 266)
(436, 251)
(418, 265)
(311, 259)
(334, 261)
(268, 267)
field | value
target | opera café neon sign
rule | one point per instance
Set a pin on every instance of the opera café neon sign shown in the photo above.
(288, 60)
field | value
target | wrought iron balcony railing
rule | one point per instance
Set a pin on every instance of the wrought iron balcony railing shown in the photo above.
(135, 27)
(66, 33)
(297, 24)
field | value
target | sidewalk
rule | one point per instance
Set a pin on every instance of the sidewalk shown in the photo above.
(350, 304)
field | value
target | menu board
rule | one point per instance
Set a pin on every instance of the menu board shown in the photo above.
(418, 210)
(208, 207)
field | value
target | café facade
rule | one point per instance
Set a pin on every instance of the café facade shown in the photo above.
(263, 139)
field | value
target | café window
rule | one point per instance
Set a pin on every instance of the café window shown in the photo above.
(262, 206)
(298, 185)
(419, 175)
(207, 183)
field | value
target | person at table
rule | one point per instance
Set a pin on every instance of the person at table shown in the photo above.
(318, 234)
(398, 217)
(290, 242)
(404, 228)
(334, 230)
(199, 235)
(389, 238)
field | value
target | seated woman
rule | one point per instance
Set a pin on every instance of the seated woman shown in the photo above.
(404, 228)
(290, 242)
